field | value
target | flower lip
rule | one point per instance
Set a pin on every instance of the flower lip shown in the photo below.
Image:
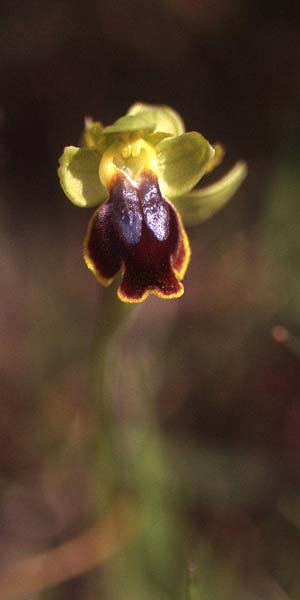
(138, 232)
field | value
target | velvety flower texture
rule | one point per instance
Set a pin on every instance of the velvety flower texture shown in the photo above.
(142, 171)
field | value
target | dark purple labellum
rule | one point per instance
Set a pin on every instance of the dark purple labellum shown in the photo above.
(138, 231)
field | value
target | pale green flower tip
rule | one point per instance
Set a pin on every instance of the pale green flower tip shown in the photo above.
(201, 204)
(238, 173)
(166, 119)
(79, 176)
(92, 136)
(230, 183)
(182, 161)
(242, 168)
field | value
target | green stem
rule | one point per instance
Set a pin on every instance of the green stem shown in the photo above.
(104, 365)
(131, 455)
(114, 318)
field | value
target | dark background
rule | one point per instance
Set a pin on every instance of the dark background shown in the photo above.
(225, 391)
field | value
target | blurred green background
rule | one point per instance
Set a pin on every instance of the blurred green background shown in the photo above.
(192, 409)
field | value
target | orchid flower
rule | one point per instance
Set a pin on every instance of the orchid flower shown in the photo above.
(142, 172)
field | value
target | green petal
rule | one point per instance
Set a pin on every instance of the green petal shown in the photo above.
(166, 119)
(199, 205)
(182, 161)
(130, 123)
(79, 176)
(154, 138)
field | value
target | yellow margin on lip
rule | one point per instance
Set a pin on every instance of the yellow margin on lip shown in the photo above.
(88, 261)
(182, 271)
(147, 293)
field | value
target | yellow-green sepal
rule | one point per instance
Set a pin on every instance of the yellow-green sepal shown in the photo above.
(143, 123)
(93, 135)
(79, 176)
(199, 205)
(165, 118)
(181, 162)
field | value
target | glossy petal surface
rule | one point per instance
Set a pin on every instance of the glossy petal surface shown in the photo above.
(182, 161)
(79, 176)
(199, 205)
(139, 232)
